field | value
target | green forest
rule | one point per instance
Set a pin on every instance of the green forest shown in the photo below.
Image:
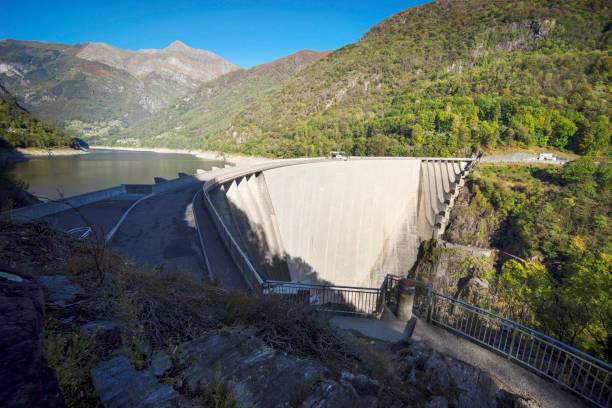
(557, 219)
(19, 128)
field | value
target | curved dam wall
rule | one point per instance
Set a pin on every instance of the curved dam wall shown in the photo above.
(340, 222)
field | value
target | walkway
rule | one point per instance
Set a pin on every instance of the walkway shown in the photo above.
(101, 215)
(224, 271)
(517, 379)
(156, 233)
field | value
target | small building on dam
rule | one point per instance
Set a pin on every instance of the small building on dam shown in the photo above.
(342, 222)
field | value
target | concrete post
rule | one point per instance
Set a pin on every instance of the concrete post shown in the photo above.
(406, 289)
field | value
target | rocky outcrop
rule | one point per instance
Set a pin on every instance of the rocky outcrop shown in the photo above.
(178, 63)
(452, 382)
(118, 384)
(26, 378)
(259, 375)
(253, 374)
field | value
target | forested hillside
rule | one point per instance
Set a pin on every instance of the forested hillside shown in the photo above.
(194, 118)
(557, 220)
(18, 128)
(445, 78)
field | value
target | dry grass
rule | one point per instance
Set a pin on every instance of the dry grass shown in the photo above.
(159, 311)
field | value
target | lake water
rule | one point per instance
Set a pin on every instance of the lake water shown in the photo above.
(52, 177)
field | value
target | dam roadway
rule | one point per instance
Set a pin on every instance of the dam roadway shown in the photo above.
(157, 233)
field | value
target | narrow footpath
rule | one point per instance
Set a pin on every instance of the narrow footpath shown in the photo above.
(223, 269)
(516, 378)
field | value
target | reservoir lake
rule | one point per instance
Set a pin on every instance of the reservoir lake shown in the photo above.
(53, 177)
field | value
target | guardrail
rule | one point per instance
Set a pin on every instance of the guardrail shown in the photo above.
(245, 267)
(573, 369)
(330, 298)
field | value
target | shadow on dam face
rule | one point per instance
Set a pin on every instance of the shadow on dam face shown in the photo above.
(338, 222)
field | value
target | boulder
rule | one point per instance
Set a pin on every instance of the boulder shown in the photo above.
(59, 291)
(456, 382)
(102, 326)
(437, 402)
(26, 378)
(119, 385)
(160, 363)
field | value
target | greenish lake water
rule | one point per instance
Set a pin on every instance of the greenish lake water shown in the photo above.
(53, 177)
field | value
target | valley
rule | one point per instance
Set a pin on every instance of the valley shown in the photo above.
(470, 183)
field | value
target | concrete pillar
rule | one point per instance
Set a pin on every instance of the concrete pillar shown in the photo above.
(406, 289)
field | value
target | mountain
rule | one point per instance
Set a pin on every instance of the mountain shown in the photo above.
(90, 88)
(447, 77)
(176, 63)
(192, 120)
(19, 128)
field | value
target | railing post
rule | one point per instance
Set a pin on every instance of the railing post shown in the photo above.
(429, 304)
(512, 342)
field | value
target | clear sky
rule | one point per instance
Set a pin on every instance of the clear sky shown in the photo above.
(246, 33)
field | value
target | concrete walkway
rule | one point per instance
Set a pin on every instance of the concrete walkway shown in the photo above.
(156, 233)
(101, 215)
(517, 379)
(224, 271)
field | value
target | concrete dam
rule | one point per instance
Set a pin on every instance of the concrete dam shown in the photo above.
(334, 221)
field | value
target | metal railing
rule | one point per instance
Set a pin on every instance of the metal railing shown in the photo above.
(579, 372)
(330, 298)
(243, 263)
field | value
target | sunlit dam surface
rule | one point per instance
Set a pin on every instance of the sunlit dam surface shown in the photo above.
(341, 222)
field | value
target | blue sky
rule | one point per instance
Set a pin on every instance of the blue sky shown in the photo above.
(246, 33)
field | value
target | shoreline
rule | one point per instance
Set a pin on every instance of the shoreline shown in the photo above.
(200, 154)
(49, 152)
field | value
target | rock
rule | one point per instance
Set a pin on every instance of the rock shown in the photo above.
(259, 375)
(507, 399)
(364, 385)
(437, 402)
(26, 378)
(461, 384)
(330, 394)
(102, 326)
(160, 363)
(59, 290)
(118, 385)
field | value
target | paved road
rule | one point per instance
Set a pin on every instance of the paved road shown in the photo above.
(101, 215)
(520, 158)
(156, 233)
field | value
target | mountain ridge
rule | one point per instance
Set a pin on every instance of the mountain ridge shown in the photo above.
(194, 118)
(94, 87)
(366, 97)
